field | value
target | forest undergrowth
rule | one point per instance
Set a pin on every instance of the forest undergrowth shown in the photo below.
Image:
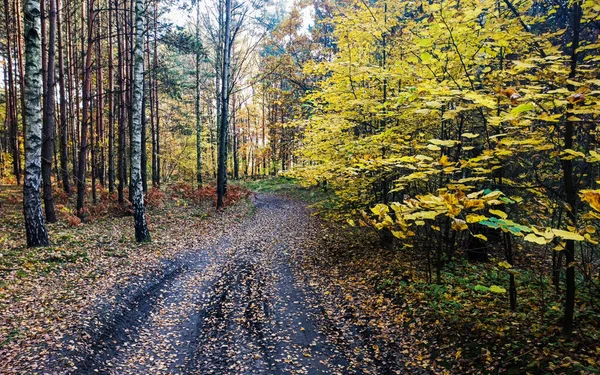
(457, 324)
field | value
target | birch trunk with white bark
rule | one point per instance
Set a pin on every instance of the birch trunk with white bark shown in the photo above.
(137, 194)
(32, 202)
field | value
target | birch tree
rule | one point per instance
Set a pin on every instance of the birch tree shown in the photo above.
(137, 195)
(32, 203)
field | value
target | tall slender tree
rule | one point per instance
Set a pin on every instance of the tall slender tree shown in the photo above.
(569, 179)
(234, 141)
(121, 164)
(85, 119)
(11, 100)
(198, 56)
(111, 106)
(224, 99)
(32, 204)
(155, 96)
(100, 159)
(64, 169)
(48, 119)
(139, 210)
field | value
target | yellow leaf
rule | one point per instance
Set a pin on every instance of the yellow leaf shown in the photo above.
(380, 209)
(444, 161)
(567, 235)
(481, 99)
(560, 246)
(480, 236)
(447, 143)
(568, 154)
(500, 214)
(592, 197)
(595, 156)
(505, 264)
(472, 218)
(426, 215)
(459, 225)
(535, 239)
(497, 289)
(590, 239)
(547, 233)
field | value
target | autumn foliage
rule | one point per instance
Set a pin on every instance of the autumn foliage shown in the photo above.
(467, 130)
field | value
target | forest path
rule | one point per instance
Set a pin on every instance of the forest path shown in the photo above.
(240, 306)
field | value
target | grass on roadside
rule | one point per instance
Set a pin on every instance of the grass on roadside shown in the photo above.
(290, 187)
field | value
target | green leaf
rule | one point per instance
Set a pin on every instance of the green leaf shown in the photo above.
(481, 288)
(426, 57)
(490, 224)
(522, 108)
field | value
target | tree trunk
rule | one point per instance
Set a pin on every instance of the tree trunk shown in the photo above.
(198, 108)
(264, 142)
(93, 148)
(99, 146)
(32, 204)
(224, 116)
(569, 183)
(64, 159)
(234, 139)
(139, 210)
(21, 66)
(129, 59)
(156, 106)
(121, 165)
(151, 83)
(11, 101)
(73, 92)
(144, 161)
(152, 131)
(48, 119)
(85, 118)
(4, 140)
(111, 107)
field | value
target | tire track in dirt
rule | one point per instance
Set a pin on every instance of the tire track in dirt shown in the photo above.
(237, 307)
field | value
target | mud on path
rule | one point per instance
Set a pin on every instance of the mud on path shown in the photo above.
(239, 306)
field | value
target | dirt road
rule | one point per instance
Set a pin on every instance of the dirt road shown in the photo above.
(238, 306)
